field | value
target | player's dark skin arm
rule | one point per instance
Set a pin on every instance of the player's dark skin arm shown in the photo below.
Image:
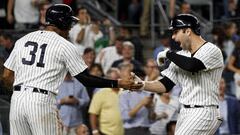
(190, 64)
(8, 77)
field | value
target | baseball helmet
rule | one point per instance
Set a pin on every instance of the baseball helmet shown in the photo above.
(61, 16)
(185, 21)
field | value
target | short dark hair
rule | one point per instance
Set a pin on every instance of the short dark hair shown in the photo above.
(88, 49)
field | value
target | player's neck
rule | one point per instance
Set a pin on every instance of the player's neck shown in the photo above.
(55, 29)
(197, 43)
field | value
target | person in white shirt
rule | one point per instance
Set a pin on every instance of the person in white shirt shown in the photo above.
(26, 13)
(108, 55)
(166, 108)
(84, 34)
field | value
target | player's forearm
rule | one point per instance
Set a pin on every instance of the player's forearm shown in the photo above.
(154, 86)
(93, 81)
(8, 77)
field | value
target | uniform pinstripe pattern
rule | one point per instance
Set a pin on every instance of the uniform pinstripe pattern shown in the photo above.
(199, 88)
(29, 116)
(198, 121)
(40, 59)
(60, 56)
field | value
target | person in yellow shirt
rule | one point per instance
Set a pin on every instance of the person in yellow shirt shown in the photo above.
(105, 116)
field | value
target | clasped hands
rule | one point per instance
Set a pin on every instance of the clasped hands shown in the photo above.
(131, 82)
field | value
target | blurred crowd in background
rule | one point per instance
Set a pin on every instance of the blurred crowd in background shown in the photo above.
(114, 38)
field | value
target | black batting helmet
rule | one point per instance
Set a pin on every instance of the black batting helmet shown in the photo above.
(185, 21)
(61, 16)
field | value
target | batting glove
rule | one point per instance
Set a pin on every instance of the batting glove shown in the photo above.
(161, 56)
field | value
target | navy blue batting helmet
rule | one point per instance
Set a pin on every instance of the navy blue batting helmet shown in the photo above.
(185, 21)
(61, 16)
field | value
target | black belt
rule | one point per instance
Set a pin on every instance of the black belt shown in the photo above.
(199, 106)
(18, 88)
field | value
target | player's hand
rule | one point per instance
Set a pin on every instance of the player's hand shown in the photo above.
(161, 56)
(138, 83)
(128, 84)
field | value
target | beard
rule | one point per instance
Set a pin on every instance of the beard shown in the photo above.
(186, 45)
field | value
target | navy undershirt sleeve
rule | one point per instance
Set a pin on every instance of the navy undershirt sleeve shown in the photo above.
(190, 64)
(93, 81)
(169, 84)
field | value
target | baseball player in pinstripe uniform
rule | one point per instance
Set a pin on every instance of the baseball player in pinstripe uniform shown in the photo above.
(198, 69)
(39, 62)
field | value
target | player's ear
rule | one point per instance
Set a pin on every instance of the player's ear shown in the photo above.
(188, 31)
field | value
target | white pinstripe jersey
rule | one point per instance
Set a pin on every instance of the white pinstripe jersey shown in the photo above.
(41, 59)
(199, 88)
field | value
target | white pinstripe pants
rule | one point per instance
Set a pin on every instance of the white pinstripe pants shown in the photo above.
(198, 121)
(33, 113)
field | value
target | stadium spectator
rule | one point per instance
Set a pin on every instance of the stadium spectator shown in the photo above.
(108, 55)
(171, 127)
(135, 107)
(151, 70)
(231, 37)
(85, 33)
(127, 53)
(127, 34)
(26, 13)
(82, 130)
(89, 56)
(104, 110)
(166, 108)
(229, 109)
(134, 11)
(72, 97)
(185, 8)
(3, 16)
(234, 66)
(42, 9)
(6, 41)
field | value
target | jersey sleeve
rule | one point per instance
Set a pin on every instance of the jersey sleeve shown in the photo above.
(211, 56)
(73, 60)
(171, 72)
(10, 63)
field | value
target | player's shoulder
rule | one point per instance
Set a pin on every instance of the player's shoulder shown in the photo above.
(210, 47)
(25, 37)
